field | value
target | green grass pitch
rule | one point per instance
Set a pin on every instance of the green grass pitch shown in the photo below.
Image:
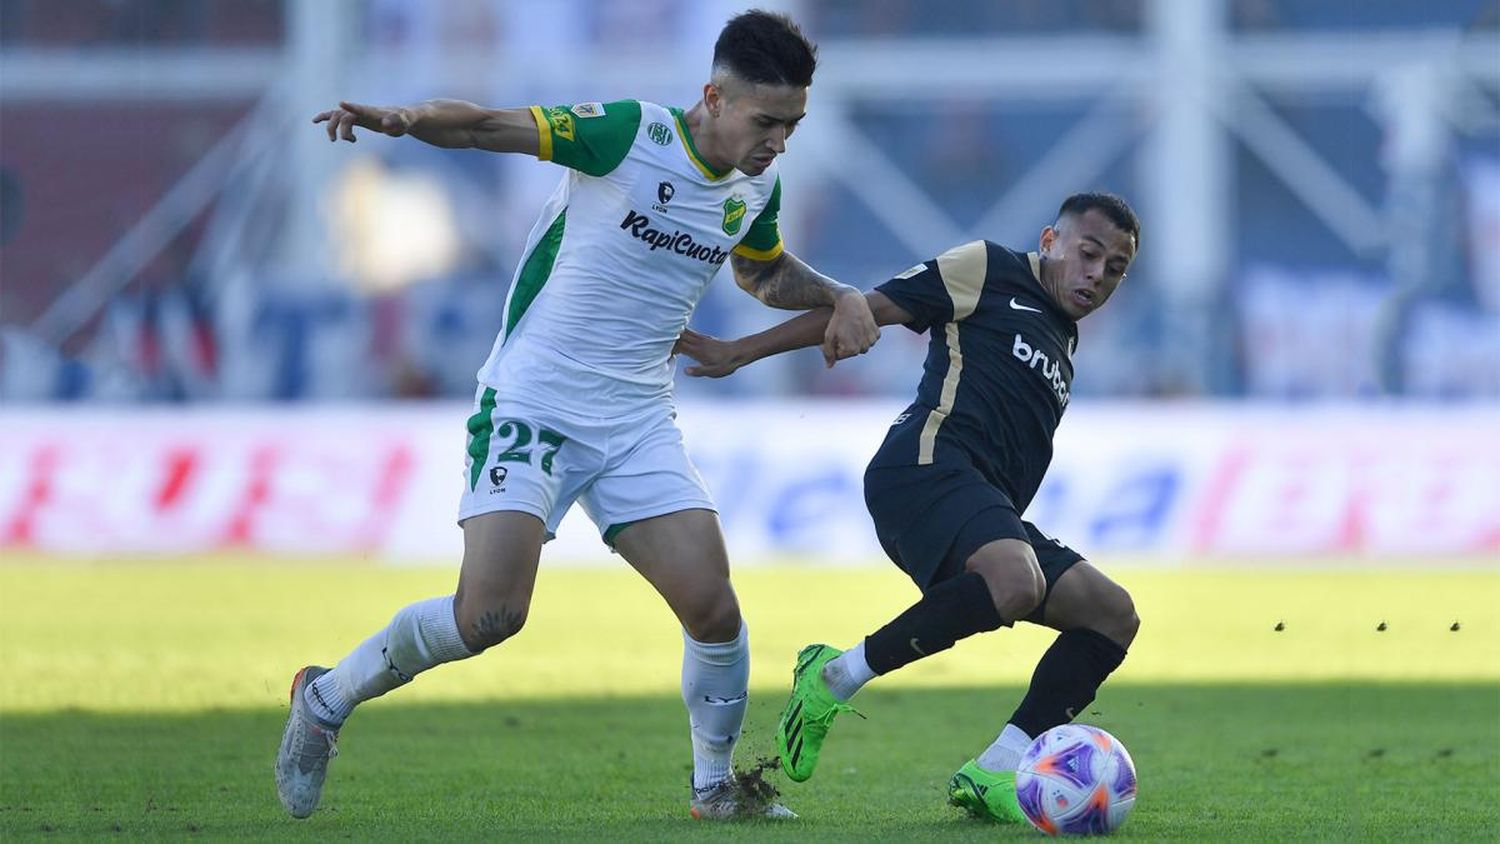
(146, 700)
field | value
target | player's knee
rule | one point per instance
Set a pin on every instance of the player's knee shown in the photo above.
(714, 618)
(1015, 581)
(1118, 618)
(1030, 591)
(485, 624)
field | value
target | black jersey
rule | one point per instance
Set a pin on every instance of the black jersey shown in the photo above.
(999, 367)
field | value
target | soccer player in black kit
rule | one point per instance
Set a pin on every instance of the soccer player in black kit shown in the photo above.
(948, 486)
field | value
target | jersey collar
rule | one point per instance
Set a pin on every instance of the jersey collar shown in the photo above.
(692, 151)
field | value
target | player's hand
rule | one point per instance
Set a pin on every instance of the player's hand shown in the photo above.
(716, 358)
(387, 121)
(851, 329)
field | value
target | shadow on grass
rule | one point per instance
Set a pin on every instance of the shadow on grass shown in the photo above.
(1348, 761)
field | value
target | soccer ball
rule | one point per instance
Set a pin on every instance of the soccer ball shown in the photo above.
(1076, 780)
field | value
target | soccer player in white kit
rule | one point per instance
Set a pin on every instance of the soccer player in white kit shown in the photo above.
(575, 401)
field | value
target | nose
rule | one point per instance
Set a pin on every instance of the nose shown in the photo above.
(778, 139)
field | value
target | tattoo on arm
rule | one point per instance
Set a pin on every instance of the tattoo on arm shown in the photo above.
(786, 282)
(494, 627)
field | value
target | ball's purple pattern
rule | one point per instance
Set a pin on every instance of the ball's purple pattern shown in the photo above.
(1076, 780)
(1075, 763)
(1124, 784)
(1029, 795)
(1092, 820)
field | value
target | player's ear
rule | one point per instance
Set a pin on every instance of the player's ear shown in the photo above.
(713, 98)
(1049, 236)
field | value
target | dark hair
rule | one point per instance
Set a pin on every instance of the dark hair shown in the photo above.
(766, 48)
(1116, 209)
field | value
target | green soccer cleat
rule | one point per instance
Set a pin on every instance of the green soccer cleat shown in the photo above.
(987, 795)
(808, 713)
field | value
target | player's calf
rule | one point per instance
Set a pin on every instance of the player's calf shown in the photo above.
(483, 624)
(950, 611)
(1066, 679)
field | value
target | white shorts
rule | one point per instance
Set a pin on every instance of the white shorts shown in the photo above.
(622, 469)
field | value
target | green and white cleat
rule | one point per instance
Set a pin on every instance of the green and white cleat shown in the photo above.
(808, 714)
(987, 795)
(725, 801)
(306, 746)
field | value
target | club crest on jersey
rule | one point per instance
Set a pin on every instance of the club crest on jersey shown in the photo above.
(734, 214)
(589, 110)
(659, 134)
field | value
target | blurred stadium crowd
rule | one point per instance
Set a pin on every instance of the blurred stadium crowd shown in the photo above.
(164, 238)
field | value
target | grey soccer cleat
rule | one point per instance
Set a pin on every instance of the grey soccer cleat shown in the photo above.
(306, 747)
(724, 801)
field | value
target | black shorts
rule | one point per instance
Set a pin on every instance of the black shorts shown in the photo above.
(931, 519)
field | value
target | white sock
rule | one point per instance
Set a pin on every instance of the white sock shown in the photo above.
(1005, 754)
(715, 680)
(420, 636)
(848, 672)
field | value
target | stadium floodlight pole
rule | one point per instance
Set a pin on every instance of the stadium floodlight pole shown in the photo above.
(320, 41)
(1185, 179)
(1411, 102)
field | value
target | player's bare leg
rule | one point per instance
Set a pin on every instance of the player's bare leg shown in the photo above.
(1012, 574)
(682, 555)
(1098, 622)
(1086, 597)
(495, 583)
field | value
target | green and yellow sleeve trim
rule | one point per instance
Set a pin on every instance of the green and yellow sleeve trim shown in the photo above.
(543, 134)
(760, 254)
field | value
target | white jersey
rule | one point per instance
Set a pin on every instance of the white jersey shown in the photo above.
(620, 256)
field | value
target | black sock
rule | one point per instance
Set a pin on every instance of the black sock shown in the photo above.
(954, 609)
(1066, 679)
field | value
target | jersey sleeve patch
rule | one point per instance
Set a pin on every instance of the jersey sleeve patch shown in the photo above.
(920, 292)
(763, 241)
(591, 138)
(945, 289)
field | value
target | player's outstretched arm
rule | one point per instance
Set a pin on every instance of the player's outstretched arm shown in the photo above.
(786, 282)
(454, 124)
(717, 358)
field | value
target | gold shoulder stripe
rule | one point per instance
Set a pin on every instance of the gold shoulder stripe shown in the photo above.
(963, 269)
(759, 254)
(543, 134)
(935, 419)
